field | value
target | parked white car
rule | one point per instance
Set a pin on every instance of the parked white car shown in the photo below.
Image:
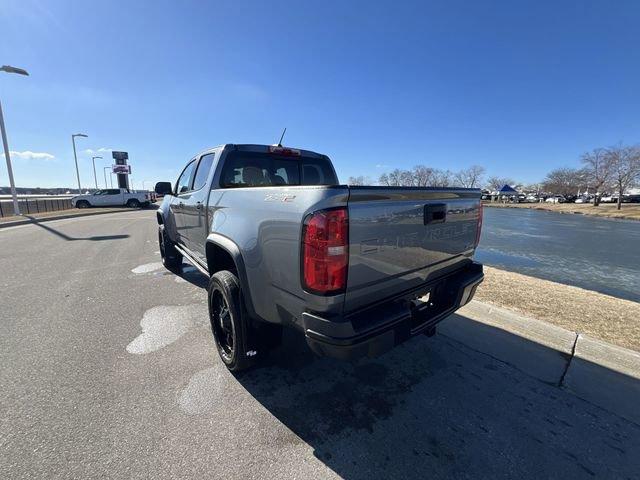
(555, 199)
(111, 197)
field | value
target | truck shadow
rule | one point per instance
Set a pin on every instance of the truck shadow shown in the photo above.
(64, 236)
(435, 408)
(192, 275)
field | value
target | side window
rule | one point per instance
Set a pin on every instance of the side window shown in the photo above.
(113, 191)
(317, 172)
(203, 171)
(184, 181)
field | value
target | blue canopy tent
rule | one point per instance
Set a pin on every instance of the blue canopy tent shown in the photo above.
(508, 193)
(507, 190)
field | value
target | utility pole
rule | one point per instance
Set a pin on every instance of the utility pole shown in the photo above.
(93, 159)
(75, 156)
(5, 142)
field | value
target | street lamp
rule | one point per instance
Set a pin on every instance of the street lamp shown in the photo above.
(75, 156)
(93, 159)
(105, 176)
(5, 142)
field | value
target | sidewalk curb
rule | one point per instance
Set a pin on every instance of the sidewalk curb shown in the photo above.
(600, 373)
(29, 221)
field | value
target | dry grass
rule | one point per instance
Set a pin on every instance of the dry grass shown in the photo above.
(611, 319)
(629, 210)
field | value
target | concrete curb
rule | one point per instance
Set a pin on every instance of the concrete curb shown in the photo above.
(606, 375)
(28, 221)
(598, 372)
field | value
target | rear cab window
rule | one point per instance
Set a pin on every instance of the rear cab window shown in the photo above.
(265, 169)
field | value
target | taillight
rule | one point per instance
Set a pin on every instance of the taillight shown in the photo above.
(284, 151)
(325, 251)
(479, 230)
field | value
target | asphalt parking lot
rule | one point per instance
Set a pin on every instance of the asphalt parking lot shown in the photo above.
(108, 370)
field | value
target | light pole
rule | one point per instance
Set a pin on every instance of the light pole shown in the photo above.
(104, 170)
(5, 142)
(75, 156)
(93, 159)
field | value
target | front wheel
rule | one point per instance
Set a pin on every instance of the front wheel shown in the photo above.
(229, 321)
(82, 204)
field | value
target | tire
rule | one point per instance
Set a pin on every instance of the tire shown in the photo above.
(82, 204)
(171, 258)
(229, 321)
(133, 203)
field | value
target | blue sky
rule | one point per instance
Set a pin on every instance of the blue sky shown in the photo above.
(518, 87)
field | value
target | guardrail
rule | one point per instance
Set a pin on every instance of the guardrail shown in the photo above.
(29, 206)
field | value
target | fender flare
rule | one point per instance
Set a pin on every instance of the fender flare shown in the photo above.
(164, 217)
(233, 250)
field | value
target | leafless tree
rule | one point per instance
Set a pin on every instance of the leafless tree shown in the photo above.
(394, 178)
(565, 181)
(406, 178)
(442, 178)
(625, 167)
(470, 177)
(597, 166)
(423, 176)
(359, 180)
(397, 178)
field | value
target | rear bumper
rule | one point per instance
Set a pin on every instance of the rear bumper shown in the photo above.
(377, 329)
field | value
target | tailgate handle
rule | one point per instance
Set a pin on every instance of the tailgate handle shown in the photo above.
(435, 213)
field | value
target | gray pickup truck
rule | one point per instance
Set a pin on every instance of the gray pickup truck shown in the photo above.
(357, 270)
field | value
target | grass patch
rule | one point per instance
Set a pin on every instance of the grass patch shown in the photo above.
(608, 318)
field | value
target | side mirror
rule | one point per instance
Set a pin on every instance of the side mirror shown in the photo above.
(163, 188)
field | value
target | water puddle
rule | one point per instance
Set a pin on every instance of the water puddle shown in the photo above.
(161, 326)
(203, 392)
(148, 267)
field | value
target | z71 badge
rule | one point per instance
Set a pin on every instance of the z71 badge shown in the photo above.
(279, 197)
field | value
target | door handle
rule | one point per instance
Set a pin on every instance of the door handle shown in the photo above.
(435, 213)
(199, 205)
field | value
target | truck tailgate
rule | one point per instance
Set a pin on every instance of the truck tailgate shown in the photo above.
(401, 238)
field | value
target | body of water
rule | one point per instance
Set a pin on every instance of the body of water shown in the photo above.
(594, 253)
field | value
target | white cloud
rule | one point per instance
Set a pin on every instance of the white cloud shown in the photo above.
(90, 151)
(28, 155)
(380, 165)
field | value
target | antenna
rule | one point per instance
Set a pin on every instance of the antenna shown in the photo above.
(282, 136)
